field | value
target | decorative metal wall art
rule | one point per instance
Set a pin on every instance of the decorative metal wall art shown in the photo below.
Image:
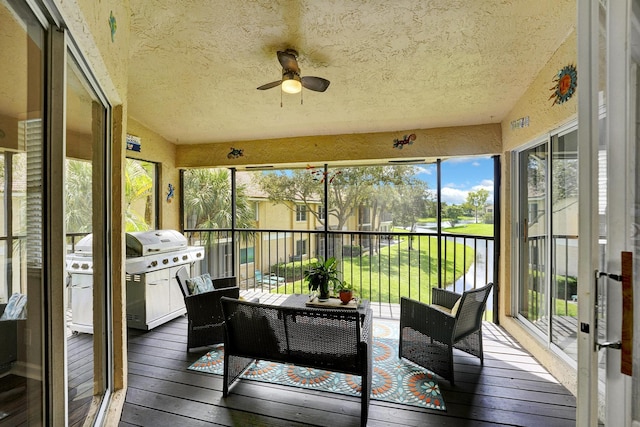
(566, 82)
(235, 153)
(170, 193)
(522, 122)
(406, 140)
(113, 25)
(320, 175)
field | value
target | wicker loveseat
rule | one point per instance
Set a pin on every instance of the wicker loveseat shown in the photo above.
(331, 339)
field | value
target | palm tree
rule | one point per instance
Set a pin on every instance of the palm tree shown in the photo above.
(138, 189)
(77, 192)
(207, 200)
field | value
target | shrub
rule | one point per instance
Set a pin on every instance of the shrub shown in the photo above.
(351, 250)
(487, 218)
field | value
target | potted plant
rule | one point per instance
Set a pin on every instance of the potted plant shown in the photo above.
(320, 275)
(345, 291)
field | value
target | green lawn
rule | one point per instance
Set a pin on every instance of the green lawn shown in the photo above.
(399, 271)
(485, 230)
(563, 308)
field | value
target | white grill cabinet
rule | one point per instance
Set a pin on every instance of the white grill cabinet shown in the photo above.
(153, 295)
(153, 257)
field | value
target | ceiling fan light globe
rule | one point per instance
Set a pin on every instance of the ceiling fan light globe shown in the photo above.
(291, 86)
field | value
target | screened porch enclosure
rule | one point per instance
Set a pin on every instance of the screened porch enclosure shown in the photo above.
(392, 234)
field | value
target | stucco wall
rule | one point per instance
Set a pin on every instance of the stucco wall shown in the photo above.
(428, 144)
(536, 105)
(543, 117)
(157, 149)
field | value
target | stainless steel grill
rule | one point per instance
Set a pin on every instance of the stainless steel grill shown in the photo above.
(148, 251)
(153, 296)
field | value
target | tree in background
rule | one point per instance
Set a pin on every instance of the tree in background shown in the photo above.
(78, 200)
(393, 189)
(477, 200)
(414, 201)
(292, 187)
(453, 213)
(207, 200)
(138, 190)
(77, 192)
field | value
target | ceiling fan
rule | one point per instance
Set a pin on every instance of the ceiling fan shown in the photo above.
(291, 81)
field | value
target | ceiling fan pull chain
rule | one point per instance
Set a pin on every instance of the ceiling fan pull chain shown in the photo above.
(281, 98)
(301, 97)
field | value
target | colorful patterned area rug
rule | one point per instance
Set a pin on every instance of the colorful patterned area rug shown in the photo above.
(394, 380)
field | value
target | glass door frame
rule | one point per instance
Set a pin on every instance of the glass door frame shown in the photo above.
(611, 21)
(60, 49)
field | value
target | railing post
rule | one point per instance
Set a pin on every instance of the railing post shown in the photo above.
(496, 238)
(439, 220)
(234, 239)
(326, 212)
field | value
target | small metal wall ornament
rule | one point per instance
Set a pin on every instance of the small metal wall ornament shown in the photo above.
(566, 82)
(320, 175)
(235, 153)
(520, 123)
(406, 140)
(113, 25)
(170, 193)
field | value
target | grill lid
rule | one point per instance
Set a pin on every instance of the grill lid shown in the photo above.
(141, 243)
(84, 246)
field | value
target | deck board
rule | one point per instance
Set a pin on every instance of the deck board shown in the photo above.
(511, 389)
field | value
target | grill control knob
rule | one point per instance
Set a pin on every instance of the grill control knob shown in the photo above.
(198, 255)
(176, 259)
(85, 266)
(165, 261)
(75, 265)
(184, 257)
(154, 263)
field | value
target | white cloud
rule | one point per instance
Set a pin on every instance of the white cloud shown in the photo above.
(453, 196)
(475, 164)
(427, 170)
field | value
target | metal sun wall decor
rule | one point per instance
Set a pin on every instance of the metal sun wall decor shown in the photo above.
(566, 82)
(235, 153)
(320, 175)
(406, 140)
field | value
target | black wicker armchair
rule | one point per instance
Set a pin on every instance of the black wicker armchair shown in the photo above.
(206, 321)
(428, 333)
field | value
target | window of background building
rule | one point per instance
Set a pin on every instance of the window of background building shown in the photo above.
(301, 213)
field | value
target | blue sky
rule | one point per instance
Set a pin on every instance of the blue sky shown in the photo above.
(459, 177)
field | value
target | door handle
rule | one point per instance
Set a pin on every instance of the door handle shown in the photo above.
(617, 345)
(626, 263)
(625, 344)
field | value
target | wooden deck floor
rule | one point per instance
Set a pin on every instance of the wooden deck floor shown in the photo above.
(511, 389)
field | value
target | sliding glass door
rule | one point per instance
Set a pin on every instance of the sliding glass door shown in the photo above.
(22, 250)
(548, 221)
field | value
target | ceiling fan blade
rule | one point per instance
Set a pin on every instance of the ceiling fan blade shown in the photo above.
(270, 85)
(288, 61)
(315, 83)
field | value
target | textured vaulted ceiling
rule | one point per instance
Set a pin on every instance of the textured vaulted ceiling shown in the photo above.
(393, 65)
